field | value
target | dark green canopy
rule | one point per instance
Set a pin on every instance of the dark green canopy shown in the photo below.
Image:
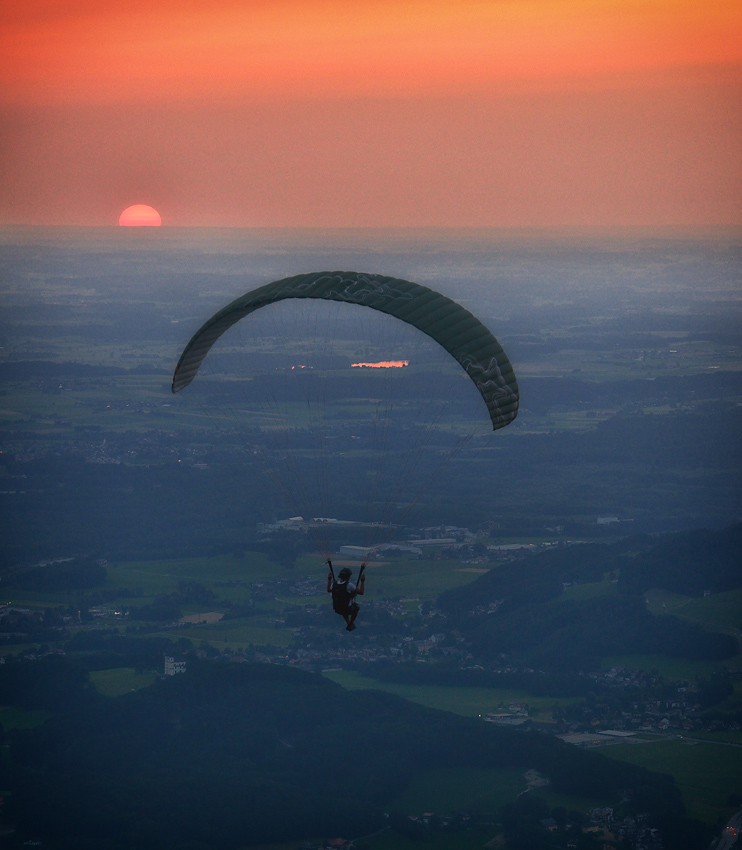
(443, 320)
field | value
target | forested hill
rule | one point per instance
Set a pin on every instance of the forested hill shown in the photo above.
(523, 608)
(233, 755)
(689, 563)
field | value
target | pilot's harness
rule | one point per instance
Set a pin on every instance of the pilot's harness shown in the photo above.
(334, 581)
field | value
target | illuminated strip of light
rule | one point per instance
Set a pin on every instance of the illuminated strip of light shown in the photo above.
(384, 364)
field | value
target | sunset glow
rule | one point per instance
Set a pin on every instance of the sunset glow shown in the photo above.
(115, 51)
(140, 215)
(383, 364)
(515, 113)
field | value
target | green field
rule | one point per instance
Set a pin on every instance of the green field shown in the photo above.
(727, 736)
(229, 579)
(223, 574)
(706, 773)
(591, 590)
(117, 403)
(424, 579)
(719, 611)
(571, 803)
(18, 648)
(163, 576)
(446, 791)
(228, 576)
(671, 669)
(469, 702)
(120, 680)
(13, 717)
(234, 634)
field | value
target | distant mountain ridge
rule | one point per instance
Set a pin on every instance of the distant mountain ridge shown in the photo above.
(517, 609)
(26, 370)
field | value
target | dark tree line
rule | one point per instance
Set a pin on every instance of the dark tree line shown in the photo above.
(689, 563)
(232, 755)
(79, 573)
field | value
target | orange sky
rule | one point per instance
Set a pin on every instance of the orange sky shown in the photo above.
(488, 113)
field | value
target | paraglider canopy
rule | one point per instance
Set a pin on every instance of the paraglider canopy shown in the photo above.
(443, 320)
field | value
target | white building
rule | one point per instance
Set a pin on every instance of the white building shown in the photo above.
(173, 665)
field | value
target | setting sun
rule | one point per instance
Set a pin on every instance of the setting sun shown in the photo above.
(140, 215)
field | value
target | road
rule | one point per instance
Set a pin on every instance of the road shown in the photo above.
(730, 835)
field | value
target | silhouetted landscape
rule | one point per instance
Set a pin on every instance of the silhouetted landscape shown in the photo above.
(547, 653)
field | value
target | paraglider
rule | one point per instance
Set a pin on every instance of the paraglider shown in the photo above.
(302, 467)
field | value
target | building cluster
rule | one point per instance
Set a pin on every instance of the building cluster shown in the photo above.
(601, 825)
(89, 443)
(627, 831)
(444, 541)
(632, 705)
(626, 702)
(516, 715)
